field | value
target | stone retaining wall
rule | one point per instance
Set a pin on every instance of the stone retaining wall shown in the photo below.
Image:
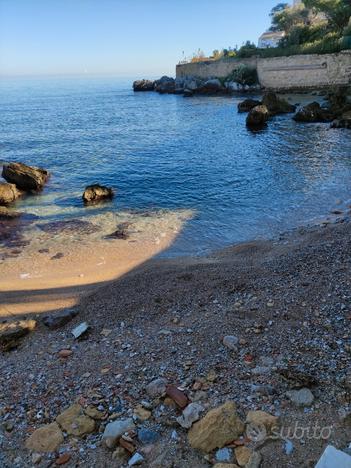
(281, 73)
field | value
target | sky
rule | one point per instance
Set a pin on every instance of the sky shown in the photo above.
(121, 37)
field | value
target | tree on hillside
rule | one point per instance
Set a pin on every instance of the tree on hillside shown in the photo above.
(276, 10)
(337, 12)
(288, 18)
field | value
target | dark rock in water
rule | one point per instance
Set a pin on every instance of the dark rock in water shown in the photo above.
(97, 193)
(121, 232)
(343, 122)
(70, 226)
(26, 178)
(165, 85)
(313, 112)
(276, 105)
(8, 193)
(11, 333)
(213, 86)
(248, 104)
(257, 117)
(59, 319)
(188, 93)
(57, 256)
(143, 85)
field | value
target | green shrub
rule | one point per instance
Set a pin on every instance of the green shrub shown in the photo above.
(244, 75)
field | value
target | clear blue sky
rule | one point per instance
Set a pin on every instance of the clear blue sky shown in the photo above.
(122, 37)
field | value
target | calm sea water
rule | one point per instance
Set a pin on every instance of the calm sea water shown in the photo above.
(169, 152)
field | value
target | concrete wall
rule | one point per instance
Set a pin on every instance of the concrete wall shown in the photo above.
(282, 73)
(213, 68)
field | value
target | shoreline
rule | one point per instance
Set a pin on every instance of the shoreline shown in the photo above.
(281, 298)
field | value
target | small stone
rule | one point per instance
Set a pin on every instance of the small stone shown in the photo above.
(65, 353)
(114, 430)
(45, 439)
(156, 388)
(120, 454)
(254, 461)
(80, 330)
(75, 422)
(302, 398)
(11, 333)
(59, 319)
(288, 447)
(146, 436)
(242, 455)
(224, 455)
(225, 465)
(231, 342)
(36, 458)
(94, 413)
(136, 459)
(177, 396)
(216, 429)
(190, 415)
(63, 459)
(141, 413)
(105, 332)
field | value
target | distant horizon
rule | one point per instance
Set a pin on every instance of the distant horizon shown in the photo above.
(112, 37)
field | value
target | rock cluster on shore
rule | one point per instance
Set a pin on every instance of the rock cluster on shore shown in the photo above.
(191, 86)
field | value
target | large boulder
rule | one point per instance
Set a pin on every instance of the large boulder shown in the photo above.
(313, 112)
(143, 85)
(248, 104)
(8, 193)
(212, 86)
(257, 117)
(343, 122)
(27, 178)
(165, 85)
(277, 105)
(97, 193)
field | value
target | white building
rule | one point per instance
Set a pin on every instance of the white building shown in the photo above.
(270, 39)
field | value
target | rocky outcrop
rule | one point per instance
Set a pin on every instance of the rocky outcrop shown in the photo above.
(313, 112)
(27, 178)
(165, 85)
(97, 193)
(248, 104)
(277, 105)
(343, 122)
(143, 85)
(257, 117)
(8, 193)
(213, 86)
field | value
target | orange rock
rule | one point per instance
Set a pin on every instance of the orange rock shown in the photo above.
(177, 396)
(63, 459)
(126, 445)
(65, 353)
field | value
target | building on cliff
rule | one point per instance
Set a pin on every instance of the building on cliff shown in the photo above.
(270, 39)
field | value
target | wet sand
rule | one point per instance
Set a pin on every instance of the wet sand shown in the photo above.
(55, 270)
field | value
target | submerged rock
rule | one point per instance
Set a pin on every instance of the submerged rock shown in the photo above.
(143, 85)
(6, 215)
(219, 427)
(313, 112)
(257, 117)
(248, 104)
(277, 105)
(8, 193)
(27, 178)
(70, 226)
(97, 193)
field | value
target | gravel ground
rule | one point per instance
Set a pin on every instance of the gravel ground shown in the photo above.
(287, 302)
